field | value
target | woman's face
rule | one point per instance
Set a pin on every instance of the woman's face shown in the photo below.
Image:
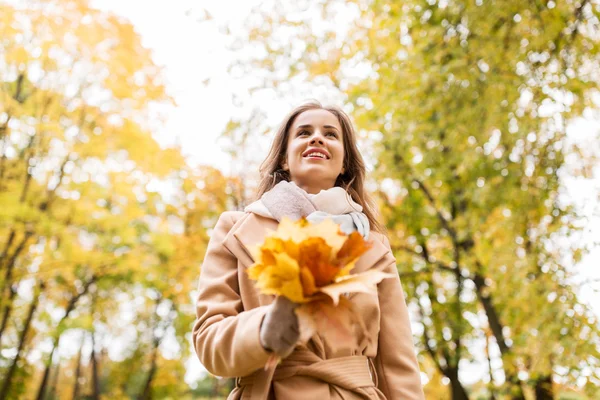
(315, 150)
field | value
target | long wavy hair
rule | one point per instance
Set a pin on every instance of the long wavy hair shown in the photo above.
(353, 178)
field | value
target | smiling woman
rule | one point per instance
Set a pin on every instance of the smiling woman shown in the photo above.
(321, 124)
(313, 170)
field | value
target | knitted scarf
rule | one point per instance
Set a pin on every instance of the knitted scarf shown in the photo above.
(286, 199)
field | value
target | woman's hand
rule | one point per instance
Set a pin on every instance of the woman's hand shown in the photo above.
(279, 331)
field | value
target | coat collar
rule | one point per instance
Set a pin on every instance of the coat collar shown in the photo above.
(251, 229)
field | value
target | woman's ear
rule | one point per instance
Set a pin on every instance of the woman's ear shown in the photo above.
(284, 164)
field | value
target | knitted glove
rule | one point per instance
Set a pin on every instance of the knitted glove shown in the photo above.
(355, 221)
(279, 331)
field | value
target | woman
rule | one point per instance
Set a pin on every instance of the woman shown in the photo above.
(313, 169)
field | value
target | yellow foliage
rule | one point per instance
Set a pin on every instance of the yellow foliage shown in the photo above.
(302, 230)
(83, 183)
(300, 258)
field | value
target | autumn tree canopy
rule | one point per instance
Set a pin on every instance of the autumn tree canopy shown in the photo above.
(463, 109)
(466, 105)
(102, 230)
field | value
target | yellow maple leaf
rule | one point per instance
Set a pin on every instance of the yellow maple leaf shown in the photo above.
(255, 271)
(310, 264)
(301, 230)
(305, 262)
(280, 278)
(365, 282)
(264, 253)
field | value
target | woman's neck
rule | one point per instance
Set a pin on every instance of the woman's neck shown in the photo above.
(313, 187)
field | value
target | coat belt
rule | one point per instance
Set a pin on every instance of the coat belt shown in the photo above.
(349, 373)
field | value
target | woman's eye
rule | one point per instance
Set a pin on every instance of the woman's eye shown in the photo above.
(332, 134)
(303, 133)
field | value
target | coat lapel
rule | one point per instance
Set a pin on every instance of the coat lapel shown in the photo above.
(373, 256)
(247, 233)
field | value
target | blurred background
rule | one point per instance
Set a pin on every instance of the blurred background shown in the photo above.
(128, 126)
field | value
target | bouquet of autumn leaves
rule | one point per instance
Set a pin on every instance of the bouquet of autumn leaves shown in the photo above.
(311, 265)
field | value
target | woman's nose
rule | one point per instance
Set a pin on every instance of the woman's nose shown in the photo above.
(317, 138)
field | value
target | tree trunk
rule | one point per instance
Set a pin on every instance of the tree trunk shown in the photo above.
(516, 390)
(512, 380)
(13, 367)
(544, 389)
(147, 393)
(46, 375)
(491, 387)
(9, 241)
(457, 390)
(68, 310)
(7, 283)
(3, 139)
(54, 384)
(4, 127)
(95, 380)
(10, 261)
(492, 316)
(78, 370)
(7, 311)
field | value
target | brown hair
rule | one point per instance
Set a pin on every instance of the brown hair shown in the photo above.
(353, 178)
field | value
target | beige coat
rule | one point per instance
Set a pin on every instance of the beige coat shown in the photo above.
(230, 311)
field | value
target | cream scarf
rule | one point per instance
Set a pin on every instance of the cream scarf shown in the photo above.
(286, 199)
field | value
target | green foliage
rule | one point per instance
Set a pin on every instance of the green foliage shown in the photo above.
(466, 105)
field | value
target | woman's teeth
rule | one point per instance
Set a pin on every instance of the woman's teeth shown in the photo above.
(320, 155)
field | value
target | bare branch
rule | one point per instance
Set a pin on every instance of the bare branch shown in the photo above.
(442, 266)
(426, 338)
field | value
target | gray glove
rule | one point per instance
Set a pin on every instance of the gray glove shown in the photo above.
(355, 221)
(279, 331)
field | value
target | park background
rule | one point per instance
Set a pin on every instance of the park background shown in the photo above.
(127, 127)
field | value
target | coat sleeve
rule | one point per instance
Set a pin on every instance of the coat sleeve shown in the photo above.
(226, 337)
(396, 363)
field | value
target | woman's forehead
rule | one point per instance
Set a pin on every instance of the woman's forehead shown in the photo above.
(317, 117)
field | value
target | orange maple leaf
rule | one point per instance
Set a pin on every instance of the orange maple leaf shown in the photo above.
(308, 282)
(352, 248)
(315, 255)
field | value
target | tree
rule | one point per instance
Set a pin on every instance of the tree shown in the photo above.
(92, 206)
(467, 105)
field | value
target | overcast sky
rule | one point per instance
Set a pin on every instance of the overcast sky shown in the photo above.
(191, 52)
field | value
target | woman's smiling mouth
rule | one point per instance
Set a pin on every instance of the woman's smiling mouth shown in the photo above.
(320, 154)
